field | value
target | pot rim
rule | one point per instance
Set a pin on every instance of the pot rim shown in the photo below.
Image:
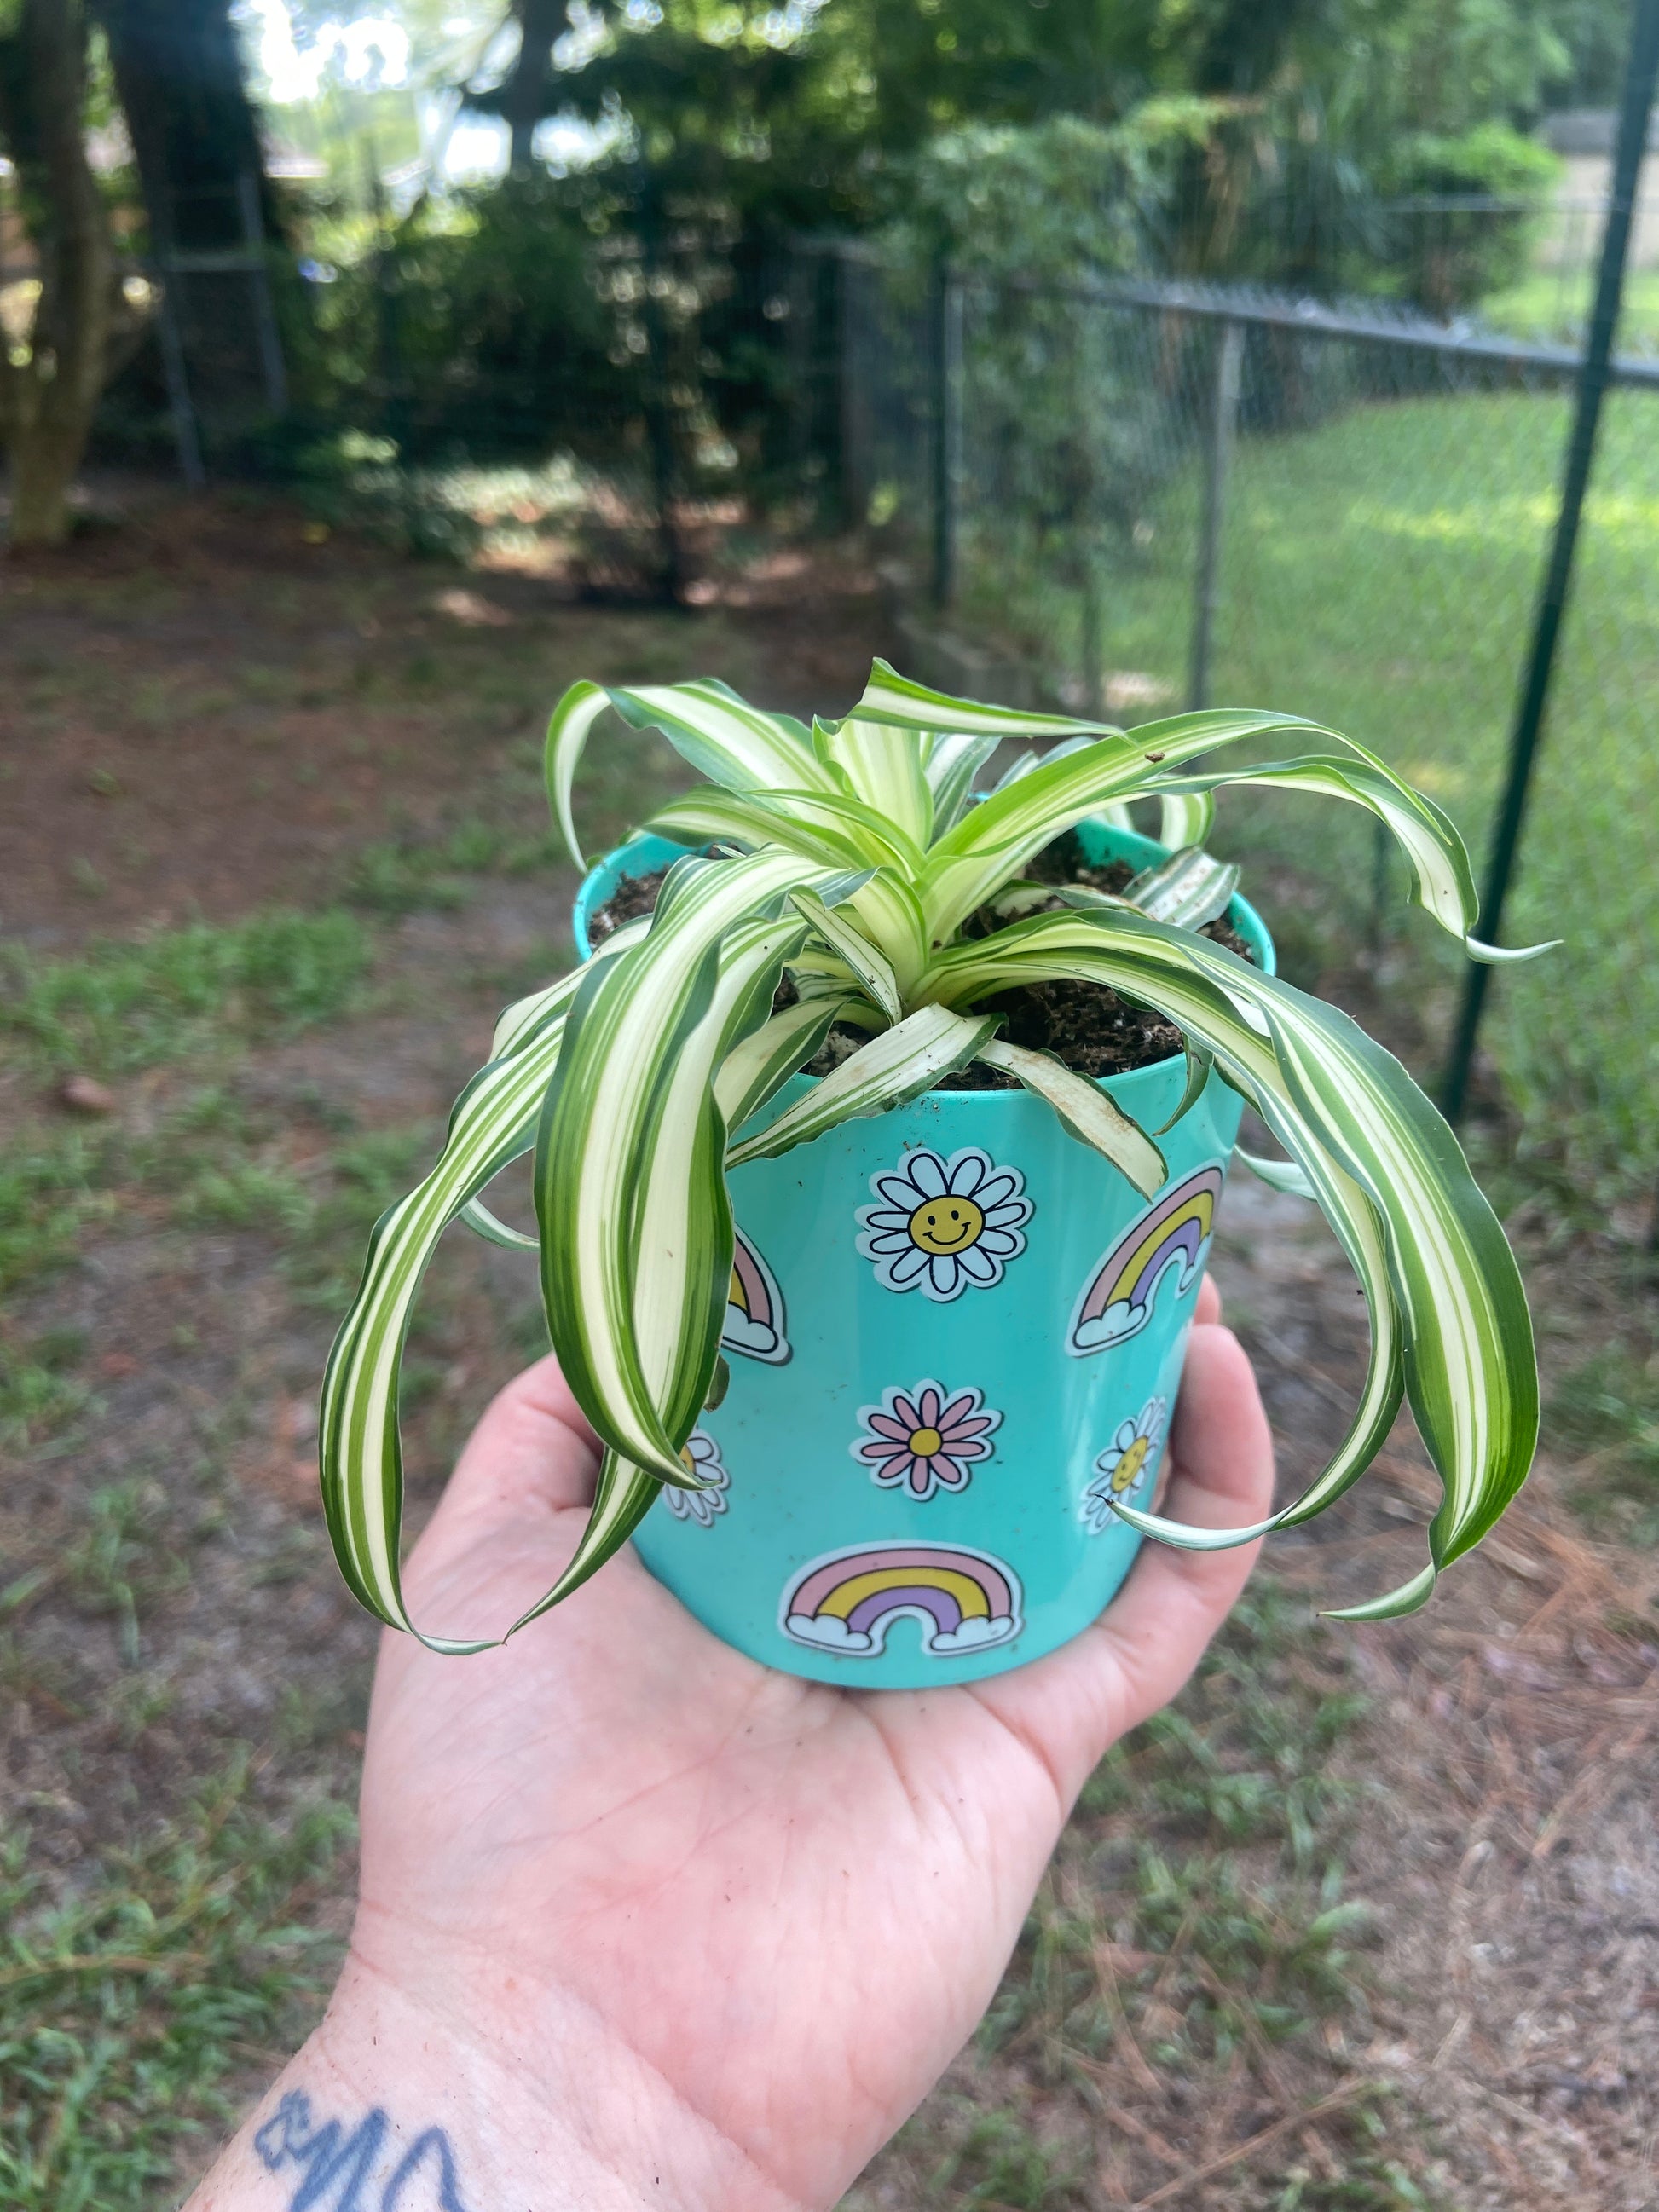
(649, 852)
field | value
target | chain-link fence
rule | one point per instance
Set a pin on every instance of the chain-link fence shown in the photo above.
(1149, 495)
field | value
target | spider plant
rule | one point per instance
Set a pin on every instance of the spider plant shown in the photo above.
(851, 856)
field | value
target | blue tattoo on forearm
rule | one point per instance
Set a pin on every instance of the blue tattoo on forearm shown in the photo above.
(336, 2170)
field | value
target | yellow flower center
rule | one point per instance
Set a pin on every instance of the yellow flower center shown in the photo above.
(944, 1226)
(686, 1460)
(924, 1443)
(1126, 1473)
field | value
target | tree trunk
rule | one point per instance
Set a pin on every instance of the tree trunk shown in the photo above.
(48, 399)
(524, 96)
(43, 471)
(179, 71)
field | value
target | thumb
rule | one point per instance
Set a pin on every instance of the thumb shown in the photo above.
(532, 1453)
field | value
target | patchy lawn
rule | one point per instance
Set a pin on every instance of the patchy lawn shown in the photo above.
(1369, 1920)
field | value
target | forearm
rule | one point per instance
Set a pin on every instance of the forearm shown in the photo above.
(387, 2108)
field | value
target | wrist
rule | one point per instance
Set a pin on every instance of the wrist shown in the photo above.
(394, 2102)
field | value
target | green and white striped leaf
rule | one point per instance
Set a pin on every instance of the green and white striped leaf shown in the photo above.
(953, 766)
(1187, 890)
(894, 1067)
(890, 914)
(752, 1071)
(1442, 883)
(361, 1462)
(1446, 1298)
(1502, 956)
(1199, 1061)
(630, 1199)
(722, 736)
(1086, 1111)
(890, 697)
(478, 1217)
(1185, 818)
(524, 1017)
(884, 768)
(1021, 766)
(1278, 1175)
(992, 841)
(869, 966)
(822, 825)
(622, 1496)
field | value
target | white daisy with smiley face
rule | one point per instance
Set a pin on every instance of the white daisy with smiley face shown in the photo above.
(944, 1224)
(1128, 1466)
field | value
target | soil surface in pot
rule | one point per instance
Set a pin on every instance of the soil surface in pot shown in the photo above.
(1087, 1025)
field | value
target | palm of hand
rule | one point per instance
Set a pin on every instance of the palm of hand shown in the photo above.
(757, 1910)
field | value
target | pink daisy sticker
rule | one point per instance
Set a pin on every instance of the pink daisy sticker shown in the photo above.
(925, 1439)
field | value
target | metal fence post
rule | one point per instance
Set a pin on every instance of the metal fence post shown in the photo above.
(949, 431)
(847, 358)
(1636, 108)
(273, 367)
(1218, 452)
(186, 437)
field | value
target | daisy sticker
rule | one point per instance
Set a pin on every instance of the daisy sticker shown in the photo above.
(925, 1440)
(1128, 1467)
(943, 1224)
(703, 1457)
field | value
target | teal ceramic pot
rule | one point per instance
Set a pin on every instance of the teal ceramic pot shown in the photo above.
(954, 1334)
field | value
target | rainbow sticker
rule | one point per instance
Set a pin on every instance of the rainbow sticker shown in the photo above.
(1173, 1238)
(847, 1600)
(754, 1308)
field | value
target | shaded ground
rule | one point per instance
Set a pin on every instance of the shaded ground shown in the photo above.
(1371, 1920)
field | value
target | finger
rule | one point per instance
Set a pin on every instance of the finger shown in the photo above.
(1208, 1310)
(1078, 1700)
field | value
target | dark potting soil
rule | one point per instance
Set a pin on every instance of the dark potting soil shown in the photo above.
(633, 896)
(1085, 1025)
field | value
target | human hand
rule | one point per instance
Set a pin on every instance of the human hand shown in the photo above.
(642, 1922)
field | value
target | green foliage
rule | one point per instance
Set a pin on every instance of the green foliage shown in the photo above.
(1460, 257)
(131, 2007)
(486, 302)
(1053, 200)
(117, 1006)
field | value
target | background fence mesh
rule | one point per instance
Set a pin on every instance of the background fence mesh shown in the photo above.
(1384, 513)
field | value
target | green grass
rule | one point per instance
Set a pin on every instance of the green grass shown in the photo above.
(40, 1392)
(49, 1195)
(1379, 573)
(404, 875)
(1219, 1818)
(117, 1007)
(132, 2010)
(1207, 1854)
(1555, 304)
(1604, 1418)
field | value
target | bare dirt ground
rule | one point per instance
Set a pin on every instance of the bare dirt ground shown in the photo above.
(1371, 1921)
